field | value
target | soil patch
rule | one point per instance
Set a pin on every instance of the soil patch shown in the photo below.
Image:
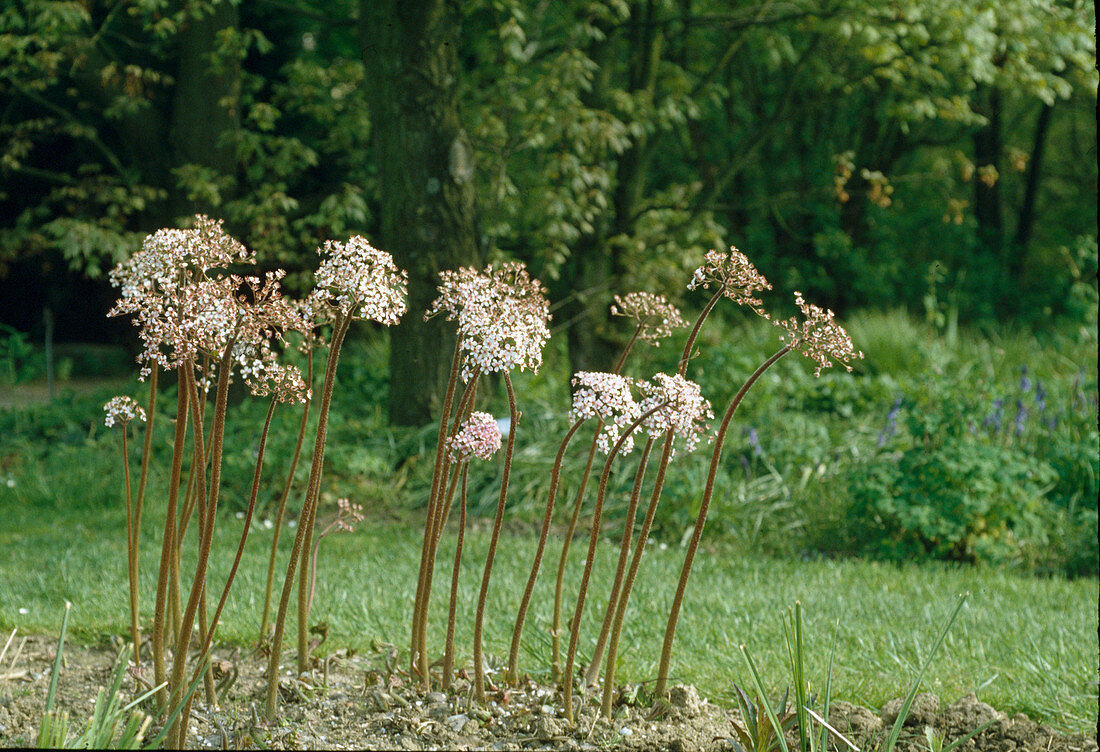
(365, 701)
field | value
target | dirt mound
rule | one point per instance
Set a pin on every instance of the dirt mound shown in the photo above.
(364, 702)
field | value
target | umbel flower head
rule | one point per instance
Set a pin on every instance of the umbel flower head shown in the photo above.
(656, 317)
(818, 336)
(606, 396)
(736, 275)
(266, 376)
(347, 515)
(186, 296)
(361, 281)
(686, 413)
(179, 308)
(502, 316)
(478, 437)
(122, 410)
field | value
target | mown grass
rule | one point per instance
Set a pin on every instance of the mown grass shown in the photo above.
(1024, 644)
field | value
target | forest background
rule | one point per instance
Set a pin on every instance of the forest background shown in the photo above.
(923, 167)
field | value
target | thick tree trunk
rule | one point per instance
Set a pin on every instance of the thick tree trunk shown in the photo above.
(425, 166)
(205, 110)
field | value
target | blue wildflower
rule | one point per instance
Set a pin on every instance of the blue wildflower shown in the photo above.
(891, 426)
(754, 442)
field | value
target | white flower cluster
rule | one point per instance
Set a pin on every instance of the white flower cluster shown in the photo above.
(478, 437)
(122, 410)
(265, 376)
(685, 414)
(818, 336)
(165, 286)
(361, 281)
(656, 317)
(186, 298)
(502, 317)
(606, 396)
(735, 274)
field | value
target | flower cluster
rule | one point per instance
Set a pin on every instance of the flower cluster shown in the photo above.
(265, 376)
(735, 274)
(502, 317)
(184, 293)
(818, 336)
(606, 396)
(348, 515)
(479, 437)
(361, 281)
(180, 307)
(122, 410)
(686, 412)
(656, 317)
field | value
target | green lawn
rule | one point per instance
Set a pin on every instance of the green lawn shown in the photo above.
(1021, 643)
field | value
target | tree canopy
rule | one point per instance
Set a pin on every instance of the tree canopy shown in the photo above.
(862, 152)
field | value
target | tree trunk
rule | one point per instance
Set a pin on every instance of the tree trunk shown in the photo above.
(205, 110)
(426, 172)
(987, 153)
(1026, 221)
(595, 266)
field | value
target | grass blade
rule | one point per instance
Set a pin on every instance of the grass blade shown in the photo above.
(895, 732)
(763, 699)
(963, 740)
(57, 660)
(158, 740)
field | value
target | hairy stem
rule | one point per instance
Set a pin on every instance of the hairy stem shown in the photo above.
(150, 414)
(437, 475)
(272, 698)
(682, 367)
(209, 638)
(313, 492)
(479, 618)
(168, 542)
(434, 530)
(559, 583)
(178, 733)
(131, 554)
(700, 520)
(265, 619)
(449, 649)
(593, 537)
(525, 601)
(635, 564)
(620, 568)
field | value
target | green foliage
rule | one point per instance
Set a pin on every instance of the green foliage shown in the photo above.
(756, 732)
(640, 134)
(16, 359)
(960, 500)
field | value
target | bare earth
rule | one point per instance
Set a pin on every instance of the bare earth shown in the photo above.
(366, 702)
